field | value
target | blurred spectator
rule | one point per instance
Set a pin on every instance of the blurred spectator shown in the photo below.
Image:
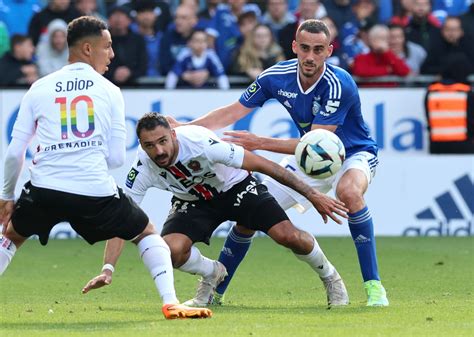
(56, 9)
(380, 61)
(413, 54)
(444, 8)
(337, 58)
(88, 7)
(258, 52)
(210, 10)
(277, 16)
(145, 25)
(364, 17)
(52, 53)
(358, 43)
(4, 39)
(467, 20)
(16, 14)
(196, 64)
(17, 66)
(130, 61)
(402, 10)
(340, 11)
(452, 42)
(449, 106)
(309, 9)
(174, 39)
(423, 27)
(225, 27)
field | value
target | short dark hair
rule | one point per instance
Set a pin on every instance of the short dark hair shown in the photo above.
(84, 26)
(150, 121)
(18, 39)
(314, 26)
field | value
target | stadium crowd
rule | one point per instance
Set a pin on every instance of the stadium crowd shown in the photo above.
(197, 43)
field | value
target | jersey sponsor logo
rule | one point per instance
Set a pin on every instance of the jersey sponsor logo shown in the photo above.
(251, 91)
(287, 94)
(331, 107)
(73, 145)
(194, 165)
(132, 175)
(251, 188)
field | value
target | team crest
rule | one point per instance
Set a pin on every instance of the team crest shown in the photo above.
(316, 105)
(194, 166)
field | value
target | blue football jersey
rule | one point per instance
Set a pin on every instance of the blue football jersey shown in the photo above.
(332, 100)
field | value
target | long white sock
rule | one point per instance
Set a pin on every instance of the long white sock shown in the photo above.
(7, 250)
(156, 256)
(198, 264)
(318, 261)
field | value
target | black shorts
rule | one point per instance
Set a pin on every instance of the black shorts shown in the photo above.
(248, 203)
(94, 218)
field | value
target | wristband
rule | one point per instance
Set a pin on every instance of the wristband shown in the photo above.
(108, 266)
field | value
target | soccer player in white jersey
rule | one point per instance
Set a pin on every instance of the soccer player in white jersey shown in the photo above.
(211, 183)
(316, 95)
(78, 118)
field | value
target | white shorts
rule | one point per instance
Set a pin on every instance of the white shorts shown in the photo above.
(287, 198)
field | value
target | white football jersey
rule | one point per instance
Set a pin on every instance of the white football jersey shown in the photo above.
(205, 167)
(73, 113)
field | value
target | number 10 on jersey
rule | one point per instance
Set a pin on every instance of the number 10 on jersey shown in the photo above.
(62, 101)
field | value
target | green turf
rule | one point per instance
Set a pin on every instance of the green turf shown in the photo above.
(430, 283)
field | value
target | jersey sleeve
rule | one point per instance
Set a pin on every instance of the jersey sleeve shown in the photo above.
(333, 108)
(118, 115)
(256, 93)
(137, 182)
(224, 153)
(25, 124)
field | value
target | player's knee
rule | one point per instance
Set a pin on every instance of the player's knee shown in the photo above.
(349, 195)
(285, 234)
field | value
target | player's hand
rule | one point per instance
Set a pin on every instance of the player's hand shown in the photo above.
(247, 140)
(6, 211)
(173, 122)
(99, 281)
(328, 207)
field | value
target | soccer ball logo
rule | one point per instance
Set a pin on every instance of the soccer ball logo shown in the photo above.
(320, 153)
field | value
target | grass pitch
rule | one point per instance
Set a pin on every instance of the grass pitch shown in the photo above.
(430, 284)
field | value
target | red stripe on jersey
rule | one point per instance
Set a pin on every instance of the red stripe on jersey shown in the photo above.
(206, 194)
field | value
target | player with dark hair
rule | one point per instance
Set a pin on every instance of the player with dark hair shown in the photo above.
(211, 183)
(78, 118)
(316, 95)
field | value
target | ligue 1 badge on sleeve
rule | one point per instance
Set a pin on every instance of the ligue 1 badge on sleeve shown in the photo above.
(132, 175)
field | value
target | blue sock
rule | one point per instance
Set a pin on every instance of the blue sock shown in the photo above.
(233, 252)
(362, 231)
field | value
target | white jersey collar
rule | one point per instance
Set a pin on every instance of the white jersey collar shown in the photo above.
(311, 88)
(78, 66)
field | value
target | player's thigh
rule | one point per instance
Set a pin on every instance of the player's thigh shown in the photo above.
(102, 218)
(35, 213)
(356, 173)
(288, 197)
(195, 219)
(252, 206)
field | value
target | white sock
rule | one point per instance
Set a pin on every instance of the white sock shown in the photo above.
(7, 250)
(198, 264)
(156, 256)
(318, 261)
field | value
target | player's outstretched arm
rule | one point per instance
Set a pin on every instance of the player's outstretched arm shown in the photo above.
(222, 117)
(252, 142)
(113, 249)
(326, 206)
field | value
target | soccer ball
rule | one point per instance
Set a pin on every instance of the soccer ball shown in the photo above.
(320, 153)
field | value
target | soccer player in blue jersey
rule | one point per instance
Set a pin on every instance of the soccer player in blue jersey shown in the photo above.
(316, 95)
